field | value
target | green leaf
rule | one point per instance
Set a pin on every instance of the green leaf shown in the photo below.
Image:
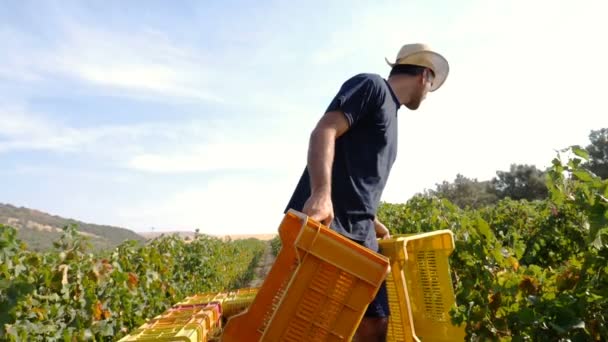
(11, 330)
(32, 261)
(580, 152)
(484, 228)
(598, 243)
(592, 297)
(106, 329)
(601, 239)
(497, 254)
(583, 175)
(526, 316)
(557, 328)
(18, 269)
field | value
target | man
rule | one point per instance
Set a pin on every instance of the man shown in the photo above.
(351, 152)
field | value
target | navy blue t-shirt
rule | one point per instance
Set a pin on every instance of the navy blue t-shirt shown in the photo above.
(363, 156)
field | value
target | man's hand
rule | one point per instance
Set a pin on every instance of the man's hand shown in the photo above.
(381, 231)
(319, 207)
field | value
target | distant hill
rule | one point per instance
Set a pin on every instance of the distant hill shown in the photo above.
(38, 229)
(190, 235)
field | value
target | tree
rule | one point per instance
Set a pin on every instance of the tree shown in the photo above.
(598, 153)
(465, 192)
(520, 182)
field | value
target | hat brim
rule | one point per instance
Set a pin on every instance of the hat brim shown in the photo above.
(431, 60)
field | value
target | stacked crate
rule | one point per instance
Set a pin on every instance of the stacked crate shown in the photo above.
(193, 323)
(230, 302)
(198, 318)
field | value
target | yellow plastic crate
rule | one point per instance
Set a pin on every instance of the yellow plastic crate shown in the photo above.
(247, 291)
(230, 302)
(183, 317)
(210, 310)
(183, 323)
(238, 301)
(420, 287)
(203, 298)
(400, 323)
(323, 298)
(194, 331)
(221, 305)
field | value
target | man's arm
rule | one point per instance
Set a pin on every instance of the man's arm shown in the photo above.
(321, 149)
(320, 160)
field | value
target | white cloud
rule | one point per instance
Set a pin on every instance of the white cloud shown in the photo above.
(158, 147)
(22, 130)
(137, 64)
(15, 63)
(156, 79)
(145, 62)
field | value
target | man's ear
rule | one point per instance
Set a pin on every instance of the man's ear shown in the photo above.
(428, 74)
(422, 78)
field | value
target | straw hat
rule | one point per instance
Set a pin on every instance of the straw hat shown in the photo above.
(423, 55)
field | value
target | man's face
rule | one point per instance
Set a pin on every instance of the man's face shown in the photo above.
(421, 89)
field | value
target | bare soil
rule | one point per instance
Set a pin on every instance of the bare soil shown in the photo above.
(263, 268)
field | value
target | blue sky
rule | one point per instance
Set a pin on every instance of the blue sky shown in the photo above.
(196, 114)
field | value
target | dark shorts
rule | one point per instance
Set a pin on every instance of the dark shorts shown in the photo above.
(379, 305)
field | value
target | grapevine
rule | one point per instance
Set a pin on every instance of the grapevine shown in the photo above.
(71, 294)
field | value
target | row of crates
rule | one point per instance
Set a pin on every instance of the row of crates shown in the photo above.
(197, 318)
(192, 323)
(321, 284)
(230, 302)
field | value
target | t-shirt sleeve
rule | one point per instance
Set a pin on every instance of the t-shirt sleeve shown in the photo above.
(357, 97)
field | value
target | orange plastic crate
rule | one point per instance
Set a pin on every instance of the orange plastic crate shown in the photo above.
(317, 291)
(250, 324)
(420, 287)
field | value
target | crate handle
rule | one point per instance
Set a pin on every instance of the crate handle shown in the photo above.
(318, 232)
